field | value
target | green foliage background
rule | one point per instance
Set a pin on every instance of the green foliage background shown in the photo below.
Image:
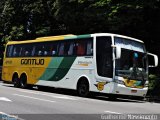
(27, 19)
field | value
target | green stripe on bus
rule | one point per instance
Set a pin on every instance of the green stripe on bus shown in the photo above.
(63, 69)
(78, 37)
(70, 37)
(52, 68)
(84, 36)
(57, 68)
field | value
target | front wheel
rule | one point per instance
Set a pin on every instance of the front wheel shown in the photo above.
(83, 88)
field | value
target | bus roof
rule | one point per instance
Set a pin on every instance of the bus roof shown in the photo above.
(116, 35)
(42, 39)
(71, 36)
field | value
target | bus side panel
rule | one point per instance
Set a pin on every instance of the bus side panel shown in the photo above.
(31, 67)
(56, 70)
(69, 71)
(8, 69)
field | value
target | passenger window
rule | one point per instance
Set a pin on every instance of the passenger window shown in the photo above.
(54, 49)
(38, 49)
(90, 48)
(46, 48)
(61, 49)
(16, 51)
(33, 51)
(27, 50)
(9, 50)
(71, 48)
(81, 48)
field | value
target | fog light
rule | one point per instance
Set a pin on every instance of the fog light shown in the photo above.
(133, 91)
(117, 91)
(146, 84)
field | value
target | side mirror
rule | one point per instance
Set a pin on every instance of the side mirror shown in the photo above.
(118, 52)
(153, 60)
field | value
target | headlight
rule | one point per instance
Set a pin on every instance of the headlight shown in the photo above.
(146, 84)
(120, 82)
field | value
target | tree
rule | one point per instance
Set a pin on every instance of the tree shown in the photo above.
(32, 18)
(27, 19)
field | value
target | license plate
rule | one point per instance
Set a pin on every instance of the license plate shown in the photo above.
(133, 91)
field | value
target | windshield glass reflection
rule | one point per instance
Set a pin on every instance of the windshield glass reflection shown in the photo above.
(132, 65)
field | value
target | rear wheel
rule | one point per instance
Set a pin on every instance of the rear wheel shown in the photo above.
(83, 88)
(16, 81)
(23, 81)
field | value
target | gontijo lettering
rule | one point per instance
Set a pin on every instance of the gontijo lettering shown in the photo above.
(32, 61)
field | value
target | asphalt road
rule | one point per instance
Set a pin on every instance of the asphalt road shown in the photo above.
(44, 105)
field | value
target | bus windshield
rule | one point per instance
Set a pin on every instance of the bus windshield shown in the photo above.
(133, 62)
(132, 65)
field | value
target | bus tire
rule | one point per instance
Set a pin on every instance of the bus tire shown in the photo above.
(16, 81)
(23, 81)
(83, 88)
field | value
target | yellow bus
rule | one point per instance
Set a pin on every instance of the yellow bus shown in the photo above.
(102, 62)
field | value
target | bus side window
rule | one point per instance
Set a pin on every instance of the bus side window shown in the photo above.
(28, 50)
(61, 49)
(71, 48)
(9, 50)
(54, 49)
(66, 48)
(38, 49)
(26, 53)
(42, 50)
(45, 53)
(47, 49)
(33, 51)
(20, 52)
(53, 52)
(39, 53)
(89, 48)
(16, 51)
(81, 48)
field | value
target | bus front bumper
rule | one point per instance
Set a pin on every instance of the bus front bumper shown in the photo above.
(123, 90)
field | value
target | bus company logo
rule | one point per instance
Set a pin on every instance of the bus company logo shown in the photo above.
(100, 85)
(32, 61)
(84, 63)
(8, 62)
